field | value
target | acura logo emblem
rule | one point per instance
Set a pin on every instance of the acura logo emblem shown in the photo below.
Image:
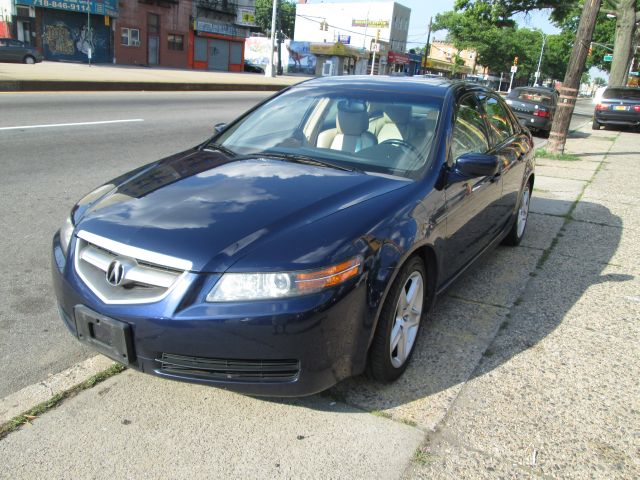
(117, 271)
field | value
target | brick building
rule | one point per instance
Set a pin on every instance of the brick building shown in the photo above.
(154, 33)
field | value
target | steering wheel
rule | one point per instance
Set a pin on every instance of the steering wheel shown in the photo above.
(397, 142)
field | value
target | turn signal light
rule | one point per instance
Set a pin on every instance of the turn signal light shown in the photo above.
(601, 106)
(329, 276)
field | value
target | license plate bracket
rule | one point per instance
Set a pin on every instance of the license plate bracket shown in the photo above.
(110, 337)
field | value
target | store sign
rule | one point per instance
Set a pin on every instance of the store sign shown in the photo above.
(97, 7)
(246, 17)
(370, 23)
(219, 28)
(344, 39)
(396, 57)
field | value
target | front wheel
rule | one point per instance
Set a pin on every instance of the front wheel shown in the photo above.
(595, 125)
(399, 323)
(514, 237)
(29, 60)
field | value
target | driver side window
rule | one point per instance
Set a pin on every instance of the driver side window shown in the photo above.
(468, 130)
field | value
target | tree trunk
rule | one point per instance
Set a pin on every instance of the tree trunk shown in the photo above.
(569, 90)
(623, 46)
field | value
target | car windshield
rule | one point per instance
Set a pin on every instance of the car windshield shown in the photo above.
(535, 96)
(377, 131)
(622, 93)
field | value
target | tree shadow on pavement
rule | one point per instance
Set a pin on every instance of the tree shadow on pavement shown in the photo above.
(460, 333)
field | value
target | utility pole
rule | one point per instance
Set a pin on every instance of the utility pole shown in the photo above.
(569, 90)
(544, 39)
(88, 34)
(270, 71)
(427, 47)
(376, 47)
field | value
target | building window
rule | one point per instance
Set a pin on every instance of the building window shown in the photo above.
(175, 42)
(130, 37)
(153, 23)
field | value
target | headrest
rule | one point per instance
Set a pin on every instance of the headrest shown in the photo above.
(398, 114)
(352, 118)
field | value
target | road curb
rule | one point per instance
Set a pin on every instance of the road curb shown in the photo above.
(19, 402)
(61, 86)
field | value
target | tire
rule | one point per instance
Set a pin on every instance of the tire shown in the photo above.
(402, 314)
(28, 59)
(595, 125)
(514, 237)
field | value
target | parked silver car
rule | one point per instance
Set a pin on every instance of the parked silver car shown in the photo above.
(16, 51)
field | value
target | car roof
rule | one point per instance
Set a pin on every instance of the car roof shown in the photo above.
(413, 85)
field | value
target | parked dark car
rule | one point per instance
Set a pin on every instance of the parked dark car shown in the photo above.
(305, 242)
(16, 51)
(534, 107)
(252, 67)
(619, 107)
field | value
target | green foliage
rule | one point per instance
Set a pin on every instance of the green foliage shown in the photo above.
(286, 16)
(498, 43)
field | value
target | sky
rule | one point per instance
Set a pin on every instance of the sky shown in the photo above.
(421, 10)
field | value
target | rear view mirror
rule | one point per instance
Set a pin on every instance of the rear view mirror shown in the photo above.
(218, 128)
(477, 164)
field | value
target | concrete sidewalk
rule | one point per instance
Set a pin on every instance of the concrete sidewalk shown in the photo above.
(55, 76)
(528, 368)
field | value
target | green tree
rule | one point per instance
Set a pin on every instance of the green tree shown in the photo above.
(286, 16)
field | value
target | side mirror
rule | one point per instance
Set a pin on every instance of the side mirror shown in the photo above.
(477, 164)
(219, 128)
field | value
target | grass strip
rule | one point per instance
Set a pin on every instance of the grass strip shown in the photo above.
(53, 402)
(566, 157)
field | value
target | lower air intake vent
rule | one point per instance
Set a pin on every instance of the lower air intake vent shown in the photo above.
(263, 371)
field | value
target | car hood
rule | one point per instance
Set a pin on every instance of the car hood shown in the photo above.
(210, 211)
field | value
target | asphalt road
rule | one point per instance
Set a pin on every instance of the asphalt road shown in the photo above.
(46, 169)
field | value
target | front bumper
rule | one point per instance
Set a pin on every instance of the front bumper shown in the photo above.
(289, 347)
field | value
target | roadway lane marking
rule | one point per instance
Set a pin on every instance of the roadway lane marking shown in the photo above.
(79, 124)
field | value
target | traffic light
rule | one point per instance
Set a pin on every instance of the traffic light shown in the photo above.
(515, 60)
(590, 49)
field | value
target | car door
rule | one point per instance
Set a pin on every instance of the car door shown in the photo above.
(471, 202)
(511, 146)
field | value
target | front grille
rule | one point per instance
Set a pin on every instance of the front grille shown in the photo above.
(262, 371)
(141, 282)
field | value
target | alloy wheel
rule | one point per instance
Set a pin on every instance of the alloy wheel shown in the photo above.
(408, 313)
(523, 212)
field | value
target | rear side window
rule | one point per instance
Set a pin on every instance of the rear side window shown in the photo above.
(469, 134)
(622, 93)
(534, 96)
(498, 119)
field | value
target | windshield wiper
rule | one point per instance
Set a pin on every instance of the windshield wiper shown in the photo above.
(221, 148)
(294, 157)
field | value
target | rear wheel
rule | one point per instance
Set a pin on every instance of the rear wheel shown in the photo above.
(399, 323)
(595, 125)
(29, 60)
(516, 233)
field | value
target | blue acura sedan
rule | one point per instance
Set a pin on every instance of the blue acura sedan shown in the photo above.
(304, 243)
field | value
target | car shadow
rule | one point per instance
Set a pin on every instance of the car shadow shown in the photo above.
(458, 341)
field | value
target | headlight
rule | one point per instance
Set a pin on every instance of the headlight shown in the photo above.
(65, 235)
(259, 286)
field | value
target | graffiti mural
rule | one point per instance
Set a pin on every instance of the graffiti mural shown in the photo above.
(66, 37)
(301, 60)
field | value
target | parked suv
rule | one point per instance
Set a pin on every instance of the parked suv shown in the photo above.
(16, 51)
(618, 107)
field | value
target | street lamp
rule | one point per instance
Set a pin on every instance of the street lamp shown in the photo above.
(544, 39)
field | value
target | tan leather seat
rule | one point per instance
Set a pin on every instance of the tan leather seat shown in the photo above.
(350, 134)
(397, 124)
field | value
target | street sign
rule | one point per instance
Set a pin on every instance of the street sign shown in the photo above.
(635, 74)
(375, 47)
(344, 39)
(514, 68)
(608, 57)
